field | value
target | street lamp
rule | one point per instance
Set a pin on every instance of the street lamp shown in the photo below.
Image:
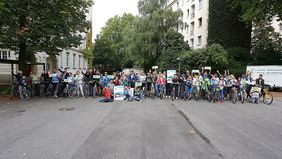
(178, 64)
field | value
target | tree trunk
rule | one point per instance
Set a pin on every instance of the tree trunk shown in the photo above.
(22, 46)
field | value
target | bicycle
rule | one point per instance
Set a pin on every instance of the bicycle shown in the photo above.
(195, 92)
(215, 93)
(24, 94)
(152, 91)
(74, 92)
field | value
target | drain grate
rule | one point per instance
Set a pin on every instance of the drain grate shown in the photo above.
(66, 109)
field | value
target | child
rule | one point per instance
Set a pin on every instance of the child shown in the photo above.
(255, 94)
(138, 94)
(107, 95)
(221, 85)
(126, 93)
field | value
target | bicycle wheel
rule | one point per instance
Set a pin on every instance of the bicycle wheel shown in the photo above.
(86, 90)
(268, 98)
(25, 95)
(173, 94)
(74, 92)
(94, 91)
(209, 96)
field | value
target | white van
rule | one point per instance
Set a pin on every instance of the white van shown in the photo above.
(272, 74)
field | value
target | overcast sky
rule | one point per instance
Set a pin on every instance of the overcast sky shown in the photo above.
(105, 9)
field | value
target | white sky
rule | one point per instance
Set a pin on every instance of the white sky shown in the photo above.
(105, 9)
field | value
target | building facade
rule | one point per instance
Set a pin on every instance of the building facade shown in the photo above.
(197, 29)
(194, 26)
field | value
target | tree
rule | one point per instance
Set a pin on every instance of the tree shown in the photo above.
(233, 32)
(174, 47)
(214, 56)
(146, 38)
(29, 26)
(259, 10)
(111, 38)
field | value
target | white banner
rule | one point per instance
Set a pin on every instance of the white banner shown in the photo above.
(119, 93)
(170, 74)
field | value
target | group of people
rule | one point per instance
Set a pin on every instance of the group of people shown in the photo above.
(139, 85)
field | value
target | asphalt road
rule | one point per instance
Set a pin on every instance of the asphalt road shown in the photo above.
(152, 129)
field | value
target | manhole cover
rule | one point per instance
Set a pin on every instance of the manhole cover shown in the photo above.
(66, 109)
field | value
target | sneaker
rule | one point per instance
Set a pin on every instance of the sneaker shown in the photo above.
(176, 98)
(168, 96)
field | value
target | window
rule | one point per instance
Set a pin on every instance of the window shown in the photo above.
(74, 60)
(193, 11)
(187, 13)
(79, 61)
(199, 40)
(192, 43)
(4, 55)
(9, 54)
(192, 28)
(177, 4)
(200, 22)
(200, 4)
(68, 59)
(280, 27)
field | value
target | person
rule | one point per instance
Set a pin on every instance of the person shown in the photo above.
(55, 82)
(107, 95)
(35, 83)
(161, 82)
(88, 78)
(221, 85)
(64, 77)
(149, 81)
(175, 84)
(138, 94)
(132, 78)
(254, 92)
(188, 87)
(20, 81)
(79, 80)
(111, 86)
(249, 81)
(45, 79)
(260, 83)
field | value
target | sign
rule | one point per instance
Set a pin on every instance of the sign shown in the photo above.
(96, 76)
(207, 68)
(119, 93)
(170, 74)
(138, 84)
(155, 67)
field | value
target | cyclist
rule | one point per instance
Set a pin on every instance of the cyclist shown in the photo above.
(260, 82)
(221, 84)
(64, 77)
(88, 79)
(55, 82)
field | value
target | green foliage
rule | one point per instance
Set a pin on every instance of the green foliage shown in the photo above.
(259, 10)
(31, 26)
(225, 27)
(215, 56)
(145, 40)
(110, 45)
(238, 59)
(174, 47)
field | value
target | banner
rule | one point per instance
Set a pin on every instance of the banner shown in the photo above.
(119, 93)
(170, 74)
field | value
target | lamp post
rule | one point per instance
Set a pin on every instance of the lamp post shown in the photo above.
(178, 64)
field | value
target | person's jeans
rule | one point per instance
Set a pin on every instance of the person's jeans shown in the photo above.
(168, 89)
(156, 89)
(91, 86)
